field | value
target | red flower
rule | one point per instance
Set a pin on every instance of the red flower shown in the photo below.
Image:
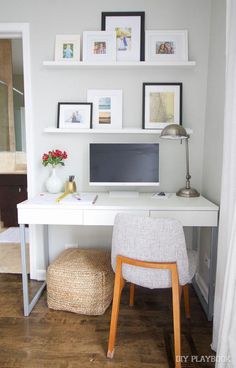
(58, 153)
(54, 157)
(45, 157)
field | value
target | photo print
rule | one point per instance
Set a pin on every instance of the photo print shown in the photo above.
(165, 47)
(107, 108)
(99, 48)
(123, 39)
(161, 107)
(68, 51)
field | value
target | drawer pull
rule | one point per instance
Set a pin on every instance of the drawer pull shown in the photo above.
(19, 189)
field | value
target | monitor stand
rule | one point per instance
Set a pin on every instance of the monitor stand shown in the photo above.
(123, 194)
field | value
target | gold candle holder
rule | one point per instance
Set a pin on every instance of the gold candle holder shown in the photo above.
(70, 187)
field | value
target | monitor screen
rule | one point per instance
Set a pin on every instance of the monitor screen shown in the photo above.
(124, 164)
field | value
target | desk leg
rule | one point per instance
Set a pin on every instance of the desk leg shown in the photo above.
(24, 271)
(209, 305)
(28, 306)
(212, 272)
(46, 245)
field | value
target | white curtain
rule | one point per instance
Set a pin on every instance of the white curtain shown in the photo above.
(226, 350)
(224, 329)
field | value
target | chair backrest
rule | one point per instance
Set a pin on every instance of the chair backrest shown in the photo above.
(153, 240)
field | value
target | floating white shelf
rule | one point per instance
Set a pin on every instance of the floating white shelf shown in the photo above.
(117, 64)
(106, 131)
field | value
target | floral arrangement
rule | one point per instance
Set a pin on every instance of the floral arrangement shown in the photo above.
(54, 158)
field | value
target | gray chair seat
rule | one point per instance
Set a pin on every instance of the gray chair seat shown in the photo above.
(152, 240)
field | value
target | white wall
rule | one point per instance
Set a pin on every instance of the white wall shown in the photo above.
(48, 18)
(214, 125)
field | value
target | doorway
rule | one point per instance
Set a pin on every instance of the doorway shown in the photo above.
(15, 113)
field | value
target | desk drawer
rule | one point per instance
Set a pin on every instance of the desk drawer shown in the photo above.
(190, 218)
(51, 216)
(106, 217)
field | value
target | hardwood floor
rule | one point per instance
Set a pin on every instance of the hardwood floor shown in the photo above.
(52, 339)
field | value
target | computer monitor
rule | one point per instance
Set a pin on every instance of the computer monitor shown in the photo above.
(121, 164)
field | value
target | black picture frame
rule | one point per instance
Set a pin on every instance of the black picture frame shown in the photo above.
(74, 124)
(160, 125)
(140, 14)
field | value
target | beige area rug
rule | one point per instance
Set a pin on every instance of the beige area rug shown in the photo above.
(10, 258)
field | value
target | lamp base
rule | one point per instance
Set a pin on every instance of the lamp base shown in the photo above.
(188, 193)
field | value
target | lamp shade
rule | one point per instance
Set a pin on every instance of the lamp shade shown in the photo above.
(174, 131)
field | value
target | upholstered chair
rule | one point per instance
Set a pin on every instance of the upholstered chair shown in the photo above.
(151, 252)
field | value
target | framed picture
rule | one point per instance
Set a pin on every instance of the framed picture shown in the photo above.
(75, 115)
(107, 108)
(162, 104)
(67, 48)
(129, 28)
(99, 46)
(166, 45)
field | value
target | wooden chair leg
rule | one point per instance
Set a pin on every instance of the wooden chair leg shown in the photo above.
(131, 295)
(118, 286)
(186, 301)
(176, 291)
(176, 316)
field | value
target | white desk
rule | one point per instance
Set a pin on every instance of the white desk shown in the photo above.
(43, 210)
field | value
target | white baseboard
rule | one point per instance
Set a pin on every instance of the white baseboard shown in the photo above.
(71, 245)
(202, 286)
(40, 275)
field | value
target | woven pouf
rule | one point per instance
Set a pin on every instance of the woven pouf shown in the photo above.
(81, 281)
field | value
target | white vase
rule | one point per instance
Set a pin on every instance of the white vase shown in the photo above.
(54, 183)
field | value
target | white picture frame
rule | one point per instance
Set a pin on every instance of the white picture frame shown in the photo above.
(107, 108)
(164, 45)
(67, 48)
(74, 115)
(99, 46)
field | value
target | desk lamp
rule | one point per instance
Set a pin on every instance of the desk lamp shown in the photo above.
(175, 131)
